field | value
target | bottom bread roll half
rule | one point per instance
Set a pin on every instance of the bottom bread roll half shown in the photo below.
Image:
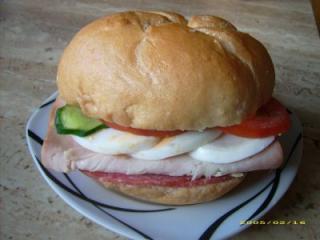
(166, 189)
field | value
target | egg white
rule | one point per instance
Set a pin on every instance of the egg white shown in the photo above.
(112, 141)
(179, 144)
(209, 145)
(230, 148)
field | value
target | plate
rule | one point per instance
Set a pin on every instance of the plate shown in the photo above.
(134, 219)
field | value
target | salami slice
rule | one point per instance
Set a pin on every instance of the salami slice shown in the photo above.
(155, 179)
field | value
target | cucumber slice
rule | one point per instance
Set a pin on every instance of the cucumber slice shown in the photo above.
(70, 120)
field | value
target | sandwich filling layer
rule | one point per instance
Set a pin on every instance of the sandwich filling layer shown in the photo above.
(62, 153)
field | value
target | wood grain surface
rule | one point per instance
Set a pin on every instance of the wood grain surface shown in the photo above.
(33, 34)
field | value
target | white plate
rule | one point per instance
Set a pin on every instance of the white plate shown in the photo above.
(219, 219)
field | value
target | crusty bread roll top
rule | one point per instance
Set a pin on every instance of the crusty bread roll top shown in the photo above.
(156, 70)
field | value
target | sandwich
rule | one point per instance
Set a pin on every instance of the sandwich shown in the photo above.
(164, 109)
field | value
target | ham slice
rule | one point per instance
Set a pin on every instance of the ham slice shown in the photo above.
(61, 153)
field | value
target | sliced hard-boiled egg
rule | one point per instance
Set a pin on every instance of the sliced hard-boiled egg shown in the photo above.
(230, 148)
(112, 141)
(175, 145)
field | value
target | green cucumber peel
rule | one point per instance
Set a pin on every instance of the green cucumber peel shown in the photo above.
(69, 119)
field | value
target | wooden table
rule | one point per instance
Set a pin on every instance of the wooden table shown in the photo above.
(33, 34)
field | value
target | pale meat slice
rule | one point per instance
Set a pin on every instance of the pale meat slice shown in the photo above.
(175, 166)
(54, 147)
(61, 153)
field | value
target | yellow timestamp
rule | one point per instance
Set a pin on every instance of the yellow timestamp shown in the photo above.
(273, 222)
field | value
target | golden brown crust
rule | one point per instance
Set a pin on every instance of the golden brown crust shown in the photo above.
(175, 195)
(155, 70)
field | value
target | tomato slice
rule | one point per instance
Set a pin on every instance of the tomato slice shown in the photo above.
(271, 119)
(144, 132)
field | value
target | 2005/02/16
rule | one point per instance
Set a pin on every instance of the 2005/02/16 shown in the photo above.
(273, 222)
